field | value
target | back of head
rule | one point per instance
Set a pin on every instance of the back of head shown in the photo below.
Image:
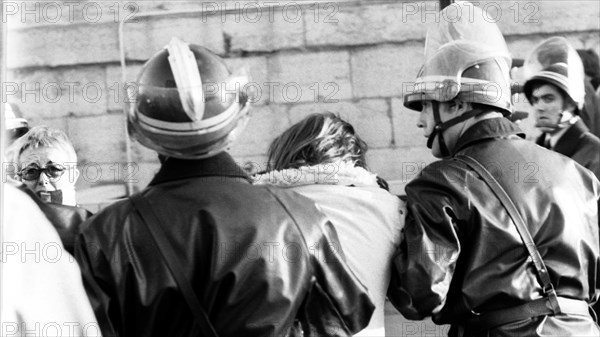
(317, 139)
(188, 105)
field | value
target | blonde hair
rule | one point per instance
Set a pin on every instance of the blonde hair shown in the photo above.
(317, 139)
(42, 136)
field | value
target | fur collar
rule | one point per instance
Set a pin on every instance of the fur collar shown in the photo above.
(338, 173)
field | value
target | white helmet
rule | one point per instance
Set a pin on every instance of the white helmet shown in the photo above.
(467, 59)
(555, 61)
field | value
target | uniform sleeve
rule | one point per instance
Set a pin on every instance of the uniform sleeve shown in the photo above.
(347, 296)
(425, 261)
(95, 270)
(337, 303)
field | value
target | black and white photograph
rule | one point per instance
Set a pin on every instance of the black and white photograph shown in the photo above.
(300, 168)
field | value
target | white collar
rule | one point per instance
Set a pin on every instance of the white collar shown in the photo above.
(337, 173)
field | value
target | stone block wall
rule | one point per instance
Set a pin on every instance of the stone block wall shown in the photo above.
(348, 57)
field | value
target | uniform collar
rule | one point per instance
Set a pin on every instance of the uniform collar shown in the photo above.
(220, 165)
(487, 129)
(556, 136)
(567, 144)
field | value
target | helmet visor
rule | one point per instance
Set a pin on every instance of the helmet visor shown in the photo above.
(466, 56)
(443, 76)
(556, 61)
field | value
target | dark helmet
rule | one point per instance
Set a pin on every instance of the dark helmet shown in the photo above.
(556, 62)
(187, 103)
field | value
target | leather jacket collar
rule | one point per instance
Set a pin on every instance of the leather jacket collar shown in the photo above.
(220, 165)
(487, 129)
(568, 143)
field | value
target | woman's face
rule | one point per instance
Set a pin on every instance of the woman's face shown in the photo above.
(55, 171)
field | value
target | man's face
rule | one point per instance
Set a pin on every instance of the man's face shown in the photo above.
(427, 123)
(58, 171)
(549, 105)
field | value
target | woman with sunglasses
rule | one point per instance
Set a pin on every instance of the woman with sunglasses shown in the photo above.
(322, 158)
(42, 157)
(46, 164)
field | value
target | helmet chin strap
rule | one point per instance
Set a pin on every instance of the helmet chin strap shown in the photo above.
(437, 129)
(440, 126)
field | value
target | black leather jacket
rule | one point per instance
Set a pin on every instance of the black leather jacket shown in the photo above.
(461, 253)
(259, 260)
(65, 219)
(579, 144)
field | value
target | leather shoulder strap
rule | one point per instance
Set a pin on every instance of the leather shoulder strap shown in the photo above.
(166, 250)
(510, 207)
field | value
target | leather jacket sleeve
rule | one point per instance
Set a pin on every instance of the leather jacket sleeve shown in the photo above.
(338, 303)
(430, 247)
(65, 219)
(461, 253)
(97, 280)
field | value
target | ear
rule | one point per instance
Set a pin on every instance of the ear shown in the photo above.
(459, 107)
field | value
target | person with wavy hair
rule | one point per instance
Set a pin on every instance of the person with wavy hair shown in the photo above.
(319, 138)
(322, 158)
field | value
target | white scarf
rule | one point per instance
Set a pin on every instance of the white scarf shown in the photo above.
(337, 173)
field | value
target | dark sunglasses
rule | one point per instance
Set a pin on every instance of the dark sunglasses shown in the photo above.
(52, 171)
